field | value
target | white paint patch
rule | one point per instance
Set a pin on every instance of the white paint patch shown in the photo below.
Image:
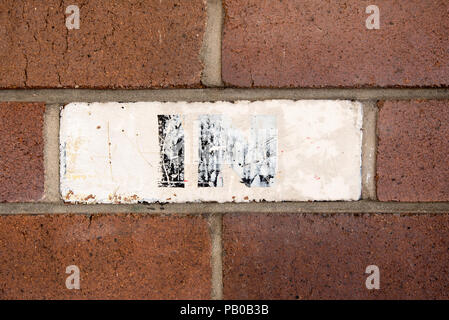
(111, 152)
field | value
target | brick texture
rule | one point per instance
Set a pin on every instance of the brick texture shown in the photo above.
(413, 158)
(281, 256)
(119, 257)
(326, 44)
(104, 153)
(21, 153)
(120, 44)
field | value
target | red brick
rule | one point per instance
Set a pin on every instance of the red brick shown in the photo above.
(413, 157)
(120, 44)
(313, 43)
(313, 256)
(22, 151)
(119, 257)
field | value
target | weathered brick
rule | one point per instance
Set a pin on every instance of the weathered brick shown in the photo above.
(277, 150)
(313, 43)
(119, 257)
(21, 153)
(312, 256)
(413, 157)
(120, 44)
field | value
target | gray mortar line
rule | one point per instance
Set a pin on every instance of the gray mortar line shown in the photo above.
(63, 96)
(215, 227)
(351, 207)
(211, 49)
(211, 77)
(369, 146)
(51, 154)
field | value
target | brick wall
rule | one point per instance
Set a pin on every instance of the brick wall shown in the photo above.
(224, 149)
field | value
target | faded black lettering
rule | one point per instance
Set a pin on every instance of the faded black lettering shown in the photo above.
(221, 144)
(171, 143)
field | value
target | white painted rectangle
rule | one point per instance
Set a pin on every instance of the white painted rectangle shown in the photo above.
(276, 150)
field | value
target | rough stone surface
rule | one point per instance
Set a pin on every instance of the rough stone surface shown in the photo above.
(274, 150)
(22, 151)
(119, 257)
(313, 256)
(413, 151)
(313, 43)
(120, 44)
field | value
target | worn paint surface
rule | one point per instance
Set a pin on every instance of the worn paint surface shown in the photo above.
(220, 144)
(277, 150)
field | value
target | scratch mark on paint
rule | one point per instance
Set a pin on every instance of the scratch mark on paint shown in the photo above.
(64, 159)
(109, 153)
(171, 143)
(136, 146)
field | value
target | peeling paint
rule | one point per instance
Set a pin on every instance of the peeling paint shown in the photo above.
(171, 142)
(221, 144)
